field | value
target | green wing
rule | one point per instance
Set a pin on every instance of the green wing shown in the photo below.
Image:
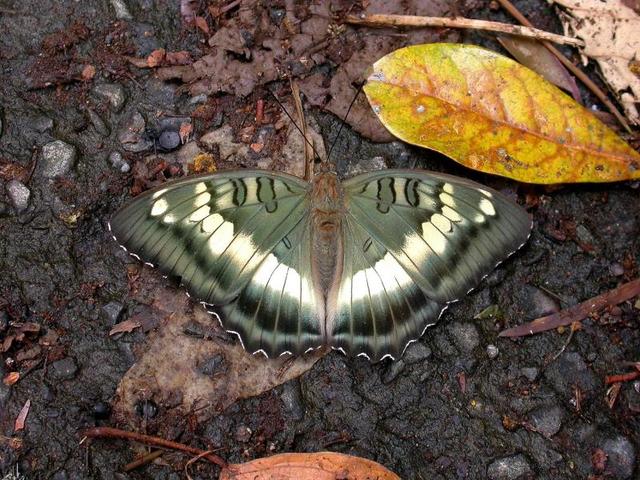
(234, 239)
(414, 241)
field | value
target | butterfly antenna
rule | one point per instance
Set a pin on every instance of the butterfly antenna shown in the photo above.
(295, 124)
(344, 120)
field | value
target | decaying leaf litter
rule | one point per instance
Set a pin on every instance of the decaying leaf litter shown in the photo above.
(330, 401)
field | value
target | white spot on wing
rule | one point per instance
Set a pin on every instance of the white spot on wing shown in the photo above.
(420, 108)
(200, 187)
(159, 207)
(159, 193)
(441, 222)
(434, 237)
(200, 214)
(201, 200)
(451, 214)
(447, 199)
(212, 222)
(448, 188)
(487, 207)
(222, 234)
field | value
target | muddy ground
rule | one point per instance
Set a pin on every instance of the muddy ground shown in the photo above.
(461, 403)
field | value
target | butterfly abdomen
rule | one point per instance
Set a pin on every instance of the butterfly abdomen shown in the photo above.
(326, 214)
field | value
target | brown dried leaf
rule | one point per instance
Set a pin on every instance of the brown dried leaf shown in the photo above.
(127, 326)
(308, 466)
(201, 23)
(22, 417)
(610, 32)
(191, 354)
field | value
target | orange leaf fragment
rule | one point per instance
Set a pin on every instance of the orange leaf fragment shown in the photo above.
(22, 416)
(88, 72)
(11, 378)
(308, 466)
(201, 23)
(491, 114)
(156, 57)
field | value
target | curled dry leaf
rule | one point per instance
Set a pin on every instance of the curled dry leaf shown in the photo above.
(127, 326)
(610, 31)
(11, 378)
(308, 466)
(492, 114)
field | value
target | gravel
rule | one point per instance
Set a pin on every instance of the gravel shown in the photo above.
(64, 369)
(465, 336)
(547, 420)
(113, 93)
(509, 468)
(19, 194)
(621, 457)
(58, 158)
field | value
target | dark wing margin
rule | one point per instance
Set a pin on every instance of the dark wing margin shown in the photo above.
(415, 241)
(235, 240)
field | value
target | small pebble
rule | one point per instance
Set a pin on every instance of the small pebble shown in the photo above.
(616, 269)
(42, 124)
(19, 194)
(465, 336)
(113, 93)
(118, 162)
(101, 410)
(394, 369)
(531, 373)
(97, 122)
(111, 312)
(509, 468)
(243, 434)
(58, 158)
(547, 420)
(132, 134)
(416, 352)
(492, 351)
(64, 369)
(121, 9)
(621, 457)
(169, 140)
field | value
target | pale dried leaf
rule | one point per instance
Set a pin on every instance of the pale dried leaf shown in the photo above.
(191, 365)
(22, 417)
(127, 326)
(308, 466)
(610, 31)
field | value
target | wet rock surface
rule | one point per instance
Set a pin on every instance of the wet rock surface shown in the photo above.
(451, 408)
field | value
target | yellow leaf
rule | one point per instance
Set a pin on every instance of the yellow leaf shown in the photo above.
(308, 466)
(494, 115)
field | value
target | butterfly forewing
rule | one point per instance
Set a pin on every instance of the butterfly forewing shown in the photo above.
(223, 235)
(413, 242)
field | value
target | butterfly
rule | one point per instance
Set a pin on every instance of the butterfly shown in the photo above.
(363, 265)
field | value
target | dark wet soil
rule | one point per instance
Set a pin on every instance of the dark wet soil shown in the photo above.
(460, 404)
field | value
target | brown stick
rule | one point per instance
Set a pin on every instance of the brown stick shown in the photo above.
(624, 377)
(149, 457)
(380, 20)
(108, 432)
(577, 312)
(515, 13)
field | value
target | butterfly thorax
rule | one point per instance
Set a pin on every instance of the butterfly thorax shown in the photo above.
(326, 211)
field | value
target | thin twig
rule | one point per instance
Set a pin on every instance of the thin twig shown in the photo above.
(308, 152)
(515, 13)
(149, 457)
(576, 313)
(382, 20)
(624, 377)
(193, 460)
(109, 432)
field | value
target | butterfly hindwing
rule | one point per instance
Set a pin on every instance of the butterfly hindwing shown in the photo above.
(219, 234)
(279, 310)
(416, 240)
